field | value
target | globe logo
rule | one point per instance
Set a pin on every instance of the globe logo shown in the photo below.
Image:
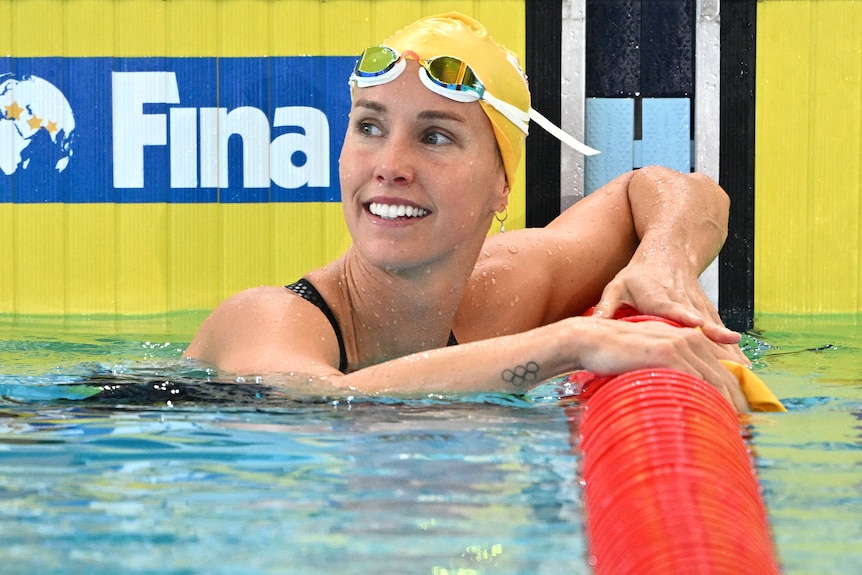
(36, 123)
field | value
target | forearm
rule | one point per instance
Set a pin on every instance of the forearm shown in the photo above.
(678, 217)
(509, 364)
(514, 364)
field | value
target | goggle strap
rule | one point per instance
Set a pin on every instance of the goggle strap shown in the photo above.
(512, 113)
(562, 136)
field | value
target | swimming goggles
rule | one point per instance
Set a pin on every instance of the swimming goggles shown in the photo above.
(453, 78)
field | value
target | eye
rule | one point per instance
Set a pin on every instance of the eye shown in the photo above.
(436, 139)
(368, 129)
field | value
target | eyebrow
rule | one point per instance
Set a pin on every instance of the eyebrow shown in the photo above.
(371, 105)
(376, 106)
(441, 115)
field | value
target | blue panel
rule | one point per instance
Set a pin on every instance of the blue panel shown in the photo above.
(609, 128)
(85, 130)
(666, 128)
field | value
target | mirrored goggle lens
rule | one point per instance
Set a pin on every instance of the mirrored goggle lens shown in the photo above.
(375, 61)
(454, 74)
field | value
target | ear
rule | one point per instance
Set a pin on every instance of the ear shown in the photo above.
(503, 197)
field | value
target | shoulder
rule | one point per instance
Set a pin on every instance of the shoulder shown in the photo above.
(252, 305)
(240, 321)
(264, 330)
(261, 297)
(509, 287)
(532, 277)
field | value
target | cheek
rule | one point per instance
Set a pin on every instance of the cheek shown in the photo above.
(475, 196)
(344, 173)
(347, 169)
(355, 164)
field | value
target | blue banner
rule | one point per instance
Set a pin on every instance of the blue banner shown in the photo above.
(176, 130)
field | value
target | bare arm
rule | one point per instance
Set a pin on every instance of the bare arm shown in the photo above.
(283, 338)
(516, 363)
(643, 239)
(533, 277)
(681, 223)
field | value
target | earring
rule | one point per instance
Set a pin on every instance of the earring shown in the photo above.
(503, 218)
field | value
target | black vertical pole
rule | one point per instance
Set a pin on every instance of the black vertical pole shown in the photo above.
(544, 41)
(736, 165)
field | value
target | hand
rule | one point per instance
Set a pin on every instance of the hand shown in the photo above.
(675, 295)
(614, 347)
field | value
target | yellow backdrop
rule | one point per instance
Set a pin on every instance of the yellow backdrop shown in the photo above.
(808, 175)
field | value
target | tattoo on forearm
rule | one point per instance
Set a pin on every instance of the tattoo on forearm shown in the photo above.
(521, 375)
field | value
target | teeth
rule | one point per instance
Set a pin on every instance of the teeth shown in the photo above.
(392, 212)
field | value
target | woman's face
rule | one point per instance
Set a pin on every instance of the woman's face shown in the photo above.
(421, 176)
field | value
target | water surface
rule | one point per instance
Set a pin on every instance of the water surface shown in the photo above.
(181, 474)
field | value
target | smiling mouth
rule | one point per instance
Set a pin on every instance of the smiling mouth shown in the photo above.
(394, 212)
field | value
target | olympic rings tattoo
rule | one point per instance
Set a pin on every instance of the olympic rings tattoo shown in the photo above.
(521, 375)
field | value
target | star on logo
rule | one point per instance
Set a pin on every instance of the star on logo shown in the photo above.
(35, 122)
(13, 111)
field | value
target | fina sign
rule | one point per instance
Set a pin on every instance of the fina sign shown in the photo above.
(198, 139)
(172, 129)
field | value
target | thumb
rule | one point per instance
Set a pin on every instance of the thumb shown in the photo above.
(609, 304)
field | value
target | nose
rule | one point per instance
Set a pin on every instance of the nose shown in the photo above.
(395, 162)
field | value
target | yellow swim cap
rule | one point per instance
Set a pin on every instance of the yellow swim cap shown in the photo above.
(457, 35)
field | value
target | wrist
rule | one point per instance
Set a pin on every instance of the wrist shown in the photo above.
(673, 250)
(572, 341)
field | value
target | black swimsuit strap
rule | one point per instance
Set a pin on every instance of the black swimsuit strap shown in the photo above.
(304, 289)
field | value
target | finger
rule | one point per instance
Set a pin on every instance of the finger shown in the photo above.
(717, 330)
(683, 314)
(736, 395)
(734, 353)
(729, 351)
(706, 317)
(720, 334)
(610, 302)
(728, 341)
(726, 383)
(732, 391)
(703, 307)
(711, 311)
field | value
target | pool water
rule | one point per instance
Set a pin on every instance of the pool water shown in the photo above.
(170, 473)
(810, 459)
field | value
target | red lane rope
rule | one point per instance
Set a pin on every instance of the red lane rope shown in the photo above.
(669, 482)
